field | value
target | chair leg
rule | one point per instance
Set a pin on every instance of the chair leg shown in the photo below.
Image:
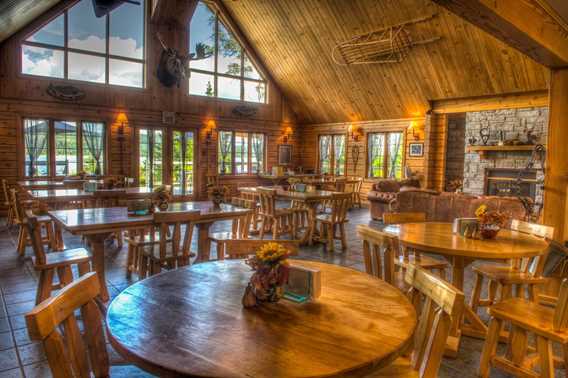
(490, 347)
(44, 285)
(129, 260)
(142, 266)
(544, 349)
(262, 227)
(51, 236)
(84, 268)
(22, 240)
(330, 238)
(476, 293)
(220, 250)
(343, 237)
(275, 224)
(65, 275)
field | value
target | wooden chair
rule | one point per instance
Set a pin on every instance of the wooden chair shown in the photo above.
(7, 203)
(45, 222)
(70, 352)
(405, 256)
(168, 252)
(328, 223)
(521, 273)
(280, 221)
(50, 264)
(526, 317)
(242, 248)
(357, 191)
(379, 251)
(239, 230)
(438, 303)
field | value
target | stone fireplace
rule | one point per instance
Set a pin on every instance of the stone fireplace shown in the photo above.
(505, 182)
(491, 173)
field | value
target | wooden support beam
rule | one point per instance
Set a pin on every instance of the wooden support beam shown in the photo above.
(481, 103)
(527, 25)
(556, 180)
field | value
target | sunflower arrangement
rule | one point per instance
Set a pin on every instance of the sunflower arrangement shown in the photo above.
(271, 270)
(490, 222)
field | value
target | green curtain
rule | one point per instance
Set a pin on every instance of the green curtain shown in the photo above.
(93, 136)
(36, 134)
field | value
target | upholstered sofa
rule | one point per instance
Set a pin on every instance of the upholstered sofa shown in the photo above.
(384, 192)
(445, 207)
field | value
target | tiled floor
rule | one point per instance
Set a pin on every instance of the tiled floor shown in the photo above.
(20, 357)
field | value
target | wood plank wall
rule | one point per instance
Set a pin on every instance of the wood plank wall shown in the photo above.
(436, 130)
(309, 145)
(25, 96)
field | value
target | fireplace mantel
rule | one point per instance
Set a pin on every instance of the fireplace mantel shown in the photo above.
(483, 150)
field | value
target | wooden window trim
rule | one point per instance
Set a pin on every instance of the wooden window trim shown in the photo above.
(386, 151)
(249, 153)
(51, 147)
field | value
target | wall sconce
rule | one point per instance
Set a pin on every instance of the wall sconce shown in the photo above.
(286, 134)
(355, 132)
(415, 129)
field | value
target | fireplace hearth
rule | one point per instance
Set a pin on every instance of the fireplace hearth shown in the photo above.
(504, 182)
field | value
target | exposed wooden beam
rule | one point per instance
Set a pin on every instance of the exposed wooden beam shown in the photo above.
(15, 14)
(476, 104)
(556, 180)
(526, 25)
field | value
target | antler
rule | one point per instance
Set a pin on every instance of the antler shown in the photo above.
(161, 41)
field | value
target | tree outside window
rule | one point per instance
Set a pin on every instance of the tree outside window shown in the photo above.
(385, 154)
(332, 157)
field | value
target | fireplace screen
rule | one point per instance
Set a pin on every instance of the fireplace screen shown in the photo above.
(504, 182)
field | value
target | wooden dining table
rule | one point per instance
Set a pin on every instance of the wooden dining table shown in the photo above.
(310, 199)
(190, 322)
(55, 197)
(40, 184)
(438, 238)
(98, 224)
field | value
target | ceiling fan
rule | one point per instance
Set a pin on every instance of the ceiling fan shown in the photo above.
(104, 7)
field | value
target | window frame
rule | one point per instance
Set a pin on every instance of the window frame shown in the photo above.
(165, 154)
(249, 153)
(170, 137)
(242, 79)
(332, 153)
(51, 153)
(66, 50)
(386, 152)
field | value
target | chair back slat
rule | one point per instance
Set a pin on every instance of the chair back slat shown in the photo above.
(399, 218)
(379, 246)
(241, 225)
(533, 265)
(241, 248)
(34, 231)
(339, 204)
(5, 191)
(180, 244)
(16, 206)
(560, 321)
(267, 198)
(442, 304)
(71, 353)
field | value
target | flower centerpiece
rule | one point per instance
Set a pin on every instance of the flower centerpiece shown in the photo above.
(271, 270)
(162, 196)
(490, 222)
(217, 194)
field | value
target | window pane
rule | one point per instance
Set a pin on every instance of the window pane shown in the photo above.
(127, 31)
(157, 158)
(36, 144)
(255, 91)
(229, 53)
(229, 88)
(42, 62)
(188, 166)
(376, 156)
(183, 163)
(339, 154)
(86, 31)
(52, 33)
(241, 153)
(224, 153)
(144, 162)
(250, 70)
(93, 134)
(86, 68)
(395, 155)
(65, 148)
(150, 159)
(257, 153)
(325, 154)
(202, 38)
(125, 73)
(201, 84)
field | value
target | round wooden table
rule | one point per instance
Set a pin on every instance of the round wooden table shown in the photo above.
(191, 322)
(437, 238)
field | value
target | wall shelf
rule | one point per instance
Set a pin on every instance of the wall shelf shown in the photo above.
(483, 150)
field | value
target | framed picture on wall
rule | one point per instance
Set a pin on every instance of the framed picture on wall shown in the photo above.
(416, 149)
(284, 154)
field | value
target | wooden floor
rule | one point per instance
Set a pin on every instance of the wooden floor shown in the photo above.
(20, 357)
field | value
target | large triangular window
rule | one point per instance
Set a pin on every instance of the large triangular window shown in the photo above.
(220, 66)
(78, 45)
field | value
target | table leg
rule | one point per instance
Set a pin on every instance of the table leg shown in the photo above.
(203, 242)
(97, 245)
(309, 234)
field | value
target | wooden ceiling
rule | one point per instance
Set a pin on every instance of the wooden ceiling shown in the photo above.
(15, 14)
(294, 38)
